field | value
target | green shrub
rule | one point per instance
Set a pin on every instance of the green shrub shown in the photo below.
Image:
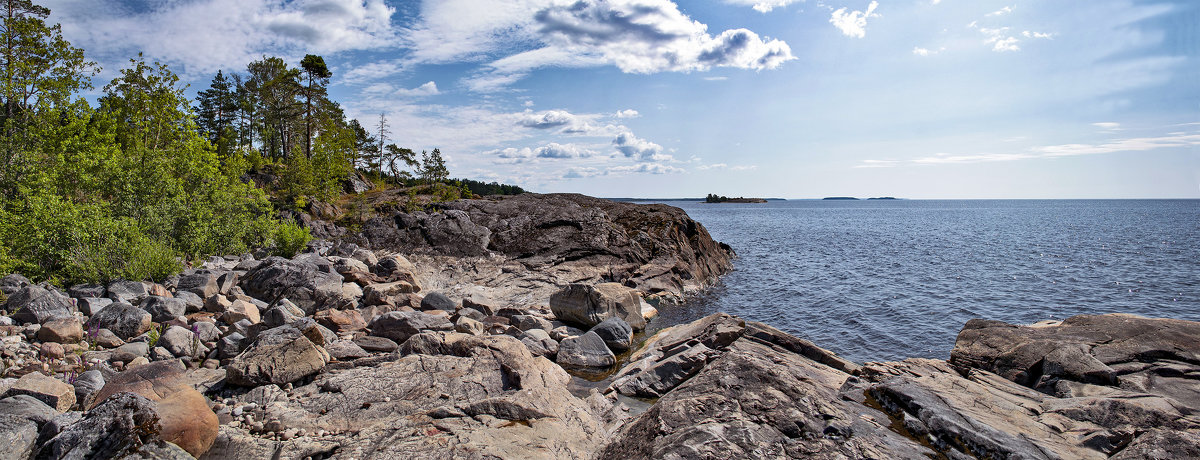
(290, 239)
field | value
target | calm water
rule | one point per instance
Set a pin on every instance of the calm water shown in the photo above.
(885, 280)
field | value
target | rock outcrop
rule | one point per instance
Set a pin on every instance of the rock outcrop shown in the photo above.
(656, 248)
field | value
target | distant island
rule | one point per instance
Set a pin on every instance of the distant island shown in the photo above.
(840, 198)
(713, 198)
(884, 198)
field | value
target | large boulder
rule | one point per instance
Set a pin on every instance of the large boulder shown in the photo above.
(1132, 353)
(450, 232)
(303, 281)
(123, 426)
(12, 283)
(163, 309)
(182, 342)
(399, 326)
(18, 437)
(183, 413)
(122, 319)
(587, 305)
(63, 329)
(616, 334)
(587, 351)
(278, 356)
(202, 283)
(132, 292)
(54, 392)
(35, 304)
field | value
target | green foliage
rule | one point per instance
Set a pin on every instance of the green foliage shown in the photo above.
(290, 239)
(155, 333)
(433, 167)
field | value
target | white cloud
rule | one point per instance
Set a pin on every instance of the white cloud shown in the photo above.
(646, 168)
(639, 149)
(920, 51)
(1108, 126)
(650, 36)
(763, 6)
(552, 150)
(371, 71)
(583, 172)
(202, 36)
(1006, 44)
(556, 150)
(1000, 12)
(716, 78)
(854, 23)
(712, 166)
(427, 89)
(1029, 34)
(999, 38)
(628, 113)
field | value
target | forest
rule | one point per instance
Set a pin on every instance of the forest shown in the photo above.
(144, 179)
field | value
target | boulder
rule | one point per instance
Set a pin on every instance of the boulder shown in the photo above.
(104, 338)
(131, 292)
(35, 304)
(202, 283)
(467, 325)
(527, 322)
(382, 293)
(341, 320)
(182, 343)
(18, 437)
(241, 310)
(86, 386)
(55, 393)
(81, 291)
(12, 283)
(163, 309)
(345, 350)
(130, 351)
(29, 408)
(92, 305)
(277, 359)
(399, 326)
(230, 345)
(192, 302)
(588, 305)
(279, 315)
(539, 343)
(376, 344)
(124, 426)
(587, 350)
(184, 417)
(302, 281)
(64, 329)
(122, 319)
(616, 334)
(438, 301)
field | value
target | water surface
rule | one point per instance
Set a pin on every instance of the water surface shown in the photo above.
(886, 280)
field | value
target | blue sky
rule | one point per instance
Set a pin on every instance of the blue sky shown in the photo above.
(778, 98)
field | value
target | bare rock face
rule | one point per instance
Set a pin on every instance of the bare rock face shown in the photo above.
(399, 326)
(1126, 352)
(590, 305)
(184, 418)
(481, 397)
(278, 359)
(655, 248)
(751, 396)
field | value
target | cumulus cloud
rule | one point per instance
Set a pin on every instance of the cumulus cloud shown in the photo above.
(552, 150)
(639, 149)
(999, 38)
(648, 36)
(547, 119)
(1029, 34)
(427, 89)
(202, 36)
(370, 71)
(628, 113)
(853, 23)
(556, 150)
(763, 6)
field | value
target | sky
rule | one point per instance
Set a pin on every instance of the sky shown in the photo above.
(766, 98)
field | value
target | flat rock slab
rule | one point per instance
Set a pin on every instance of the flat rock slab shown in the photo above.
(54, 392)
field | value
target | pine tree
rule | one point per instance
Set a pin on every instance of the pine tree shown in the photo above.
(318, 76)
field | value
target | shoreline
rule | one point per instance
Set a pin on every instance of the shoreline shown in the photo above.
(412, 352)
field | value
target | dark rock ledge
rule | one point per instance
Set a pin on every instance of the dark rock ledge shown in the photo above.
(345, 352)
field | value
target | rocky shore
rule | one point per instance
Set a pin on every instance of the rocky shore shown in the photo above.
(452, 334)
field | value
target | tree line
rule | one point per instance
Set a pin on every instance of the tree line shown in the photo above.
(142, 179)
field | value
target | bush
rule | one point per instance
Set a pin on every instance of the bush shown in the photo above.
(290, 239)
